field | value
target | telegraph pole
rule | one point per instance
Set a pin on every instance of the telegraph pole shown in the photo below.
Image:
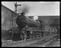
(16, 5)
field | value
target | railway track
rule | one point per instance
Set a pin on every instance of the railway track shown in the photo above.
(30, 43)
(43, 42)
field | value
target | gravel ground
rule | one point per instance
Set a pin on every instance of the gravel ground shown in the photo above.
(24, 43)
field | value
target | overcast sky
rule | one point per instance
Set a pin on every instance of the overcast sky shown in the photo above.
(37, 8)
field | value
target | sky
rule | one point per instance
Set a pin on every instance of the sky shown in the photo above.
(37, 8)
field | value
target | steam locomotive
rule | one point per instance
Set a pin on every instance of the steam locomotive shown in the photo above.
(13, 24)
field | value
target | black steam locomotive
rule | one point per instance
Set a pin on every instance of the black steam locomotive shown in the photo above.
(10, 31)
